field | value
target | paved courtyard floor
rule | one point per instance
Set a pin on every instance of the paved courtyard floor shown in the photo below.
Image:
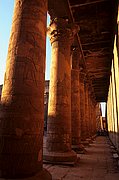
(97, 164)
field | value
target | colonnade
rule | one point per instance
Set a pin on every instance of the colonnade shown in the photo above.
(71, 104)
(67, 126)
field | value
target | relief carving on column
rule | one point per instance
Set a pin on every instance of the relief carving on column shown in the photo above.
(22, 101)
(58, 142)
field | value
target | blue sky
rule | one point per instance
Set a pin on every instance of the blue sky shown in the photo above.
(6, 13)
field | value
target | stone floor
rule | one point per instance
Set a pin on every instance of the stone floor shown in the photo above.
(96, 164)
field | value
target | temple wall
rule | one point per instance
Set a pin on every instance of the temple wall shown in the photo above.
(113, 98)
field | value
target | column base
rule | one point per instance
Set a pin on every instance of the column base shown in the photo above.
(59, 157)
(42, 175)
(79, 149)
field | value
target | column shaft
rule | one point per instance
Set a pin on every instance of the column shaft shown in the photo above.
(22, 102)
(91, 109)
(59, 109)
(82, 106)
(86, 109)
(94, 118)
(75, 109)
(75, 101)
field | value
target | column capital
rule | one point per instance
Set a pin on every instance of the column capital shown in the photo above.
(60, 30)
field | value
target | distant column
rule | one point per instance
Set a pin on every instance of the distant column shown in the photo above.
(94, 118)
(86, 107)
(58, 145)
(75, 102)
(82, 106)
(22, 102)
(93, 115)
(89, 105)
(90, 114)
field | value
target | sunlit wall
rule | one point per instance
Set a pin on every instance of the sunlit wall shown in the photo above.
(113, 98)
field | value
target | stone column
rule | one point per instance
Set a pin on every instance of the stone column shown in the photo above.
(82, 106)
(75, 103)
(88, 112)
(88, 95)
(90, 126)
(22, 101)
(86, 107)
(93, 117)
(90, 115)
(58, 144)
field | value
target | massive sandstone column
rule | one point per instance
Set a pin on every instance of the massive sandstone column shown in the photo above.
(86, 107)
(89, 107)
(90, 113)
(94, 118)
(93, 115)
(82, 105)
(58, 145)
(90, 116)
(22, 102)
(75, 102)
